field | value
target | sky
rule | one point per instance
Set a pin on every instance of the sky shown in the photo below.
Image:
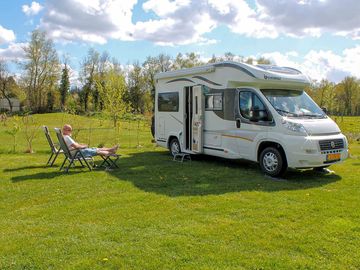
(319, 37)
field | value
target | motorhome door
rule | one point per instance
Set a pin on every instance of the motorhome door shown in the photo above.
(198, 120)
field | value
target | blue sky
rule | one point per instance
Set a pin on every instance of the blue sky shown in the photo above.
(319, 37)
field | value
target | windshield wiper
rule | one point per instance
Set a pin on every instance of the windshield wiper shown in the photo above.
(283, 111)
(313, 115)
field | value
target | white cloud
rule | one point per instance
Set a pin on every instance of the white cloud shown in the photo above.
(34, 9)
(321, 64)
(6, 35)
(14, 51)
(93, 21)
(312, 17)
(179, 22)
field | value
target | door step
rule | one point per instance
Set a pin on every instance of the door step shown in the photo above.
(181, 157)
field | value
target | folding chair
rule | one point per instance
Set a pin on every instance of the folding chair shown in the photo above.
(71, 155)
(54, 150)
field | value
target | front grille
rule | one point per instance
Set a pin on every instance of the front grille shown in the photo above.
(331, 144)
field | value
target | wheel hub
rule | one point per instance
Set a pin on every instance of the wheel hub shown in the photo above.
(270, 161)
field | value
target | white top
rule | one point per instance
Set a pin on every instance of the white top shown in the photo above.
(69, 142)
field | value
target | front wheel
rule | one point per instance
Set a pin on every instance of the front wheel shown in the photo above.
(272, 162)
(174, 147)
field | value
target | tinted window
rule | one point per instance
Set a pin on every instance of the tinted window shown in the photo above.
(168, 102)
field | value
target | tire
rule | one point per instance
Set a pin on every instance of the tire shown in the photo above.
(272, 162)
(174, 147)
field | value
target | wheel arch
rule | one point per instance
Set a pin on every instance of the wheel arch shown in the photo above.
(263, 145)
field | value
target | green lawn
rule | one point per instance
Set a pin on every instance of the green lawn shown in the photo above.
(153, 213)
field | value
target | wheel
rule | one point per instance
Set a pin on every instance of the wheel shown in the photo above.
(174, 147)
(272, 162)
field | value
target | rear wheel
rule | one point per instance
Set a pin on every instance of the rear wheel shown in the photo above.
(272, 162)
(174, 147)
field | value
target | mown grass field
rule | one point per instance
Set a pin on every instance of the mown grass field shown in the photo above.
(153, 213)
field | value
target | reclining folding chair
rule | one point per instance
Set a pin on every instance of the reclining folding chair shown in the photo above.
(54, 150)
(71, 155)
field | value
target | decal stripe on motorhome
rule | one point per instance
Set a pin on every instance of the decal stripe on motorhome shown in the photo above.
(206, 80)
(212, 148)
(236, 67)
(160, 140)
(176, 119)
(180, 80)
(238, 137)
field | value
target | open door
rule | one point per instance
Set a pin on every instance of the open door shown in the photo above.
(198, 110)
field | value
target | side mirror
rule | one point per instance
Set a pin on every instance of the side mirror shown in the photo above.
(324, 110)
(238, 123)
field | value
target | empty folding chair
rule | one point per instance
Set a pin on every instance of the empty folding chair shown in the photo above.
(55, 151)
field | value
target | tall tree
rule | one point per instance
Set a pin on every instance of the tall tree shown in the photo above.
(89, 70)
(41, 69)
(153, 65)
(135, 82)
(113, 92)
(348, 91)
(64, 85)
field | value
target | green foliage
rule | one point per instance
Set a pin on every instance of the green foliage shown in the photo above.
(339, 99)
(64, 86)
(31, 128)
(15, 126)
(113, 91)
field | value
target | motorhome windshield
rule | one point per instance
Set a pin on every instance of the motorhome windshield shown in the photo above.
(292, 103)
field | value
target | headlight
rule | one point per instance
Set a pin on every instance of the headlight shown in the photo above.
(295, 127)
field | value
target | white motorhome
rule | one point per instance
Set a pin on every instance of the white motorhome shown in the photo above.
(238, 111)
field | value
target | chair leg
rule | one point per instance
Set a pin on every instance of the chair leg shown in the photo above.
(62, 165)
(68, 167)
(80, 162)
(87, 164)
(56, 155)
(49, 160)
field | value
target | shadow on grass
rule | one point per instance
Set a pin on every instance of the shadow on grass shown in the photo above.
(42, 176)
(156, 172)
(52, 172)
(27, 168)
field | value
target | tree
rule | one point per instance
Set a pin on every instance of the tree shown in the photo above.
(7, 84)
(89, 70)
(113, 93)
(186, 61)
(136, 82)
(41, 69)
(151, 67)
(348, 92)
(64, 85)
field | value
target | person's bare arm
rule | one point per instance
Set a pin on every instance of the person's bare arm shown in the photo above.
(79, 145)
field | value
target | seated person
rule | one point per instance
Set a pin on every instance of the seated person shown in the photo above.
(85, 150)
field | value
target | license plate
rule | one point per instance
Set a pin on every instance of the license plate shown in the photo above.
(330, 157)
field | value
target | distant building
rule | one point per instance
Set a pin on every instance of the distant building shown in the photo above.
(4, 104)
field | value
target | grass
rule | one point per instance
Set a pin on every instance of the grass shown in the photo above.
(153, 213)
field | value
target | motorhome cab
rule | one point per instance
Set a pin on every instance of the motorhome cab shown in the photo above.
(239, 111)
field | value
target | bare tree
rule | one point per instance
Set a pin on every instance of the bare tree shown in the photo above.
(7, 83)
(41, 69)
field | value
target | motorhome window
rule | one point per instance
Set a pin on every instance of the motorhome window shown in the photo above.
(214, 102)
(168, 102)
(293, 103)
(252, 108)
